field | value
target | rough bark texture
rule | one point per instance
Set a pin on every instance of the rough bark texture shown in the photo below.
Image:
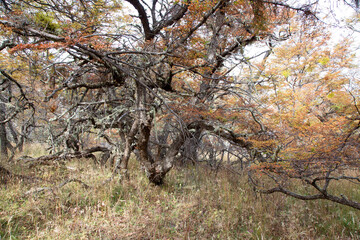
(128, 148)
(3, 137)
(155, 167)
(144, 135)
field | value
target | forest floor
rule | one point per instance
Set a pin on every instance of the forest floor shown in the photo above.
(192, 204)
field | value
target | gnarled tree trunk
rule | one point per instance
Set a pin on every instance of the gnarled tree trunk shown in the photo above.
(122, 165)
(155, 167)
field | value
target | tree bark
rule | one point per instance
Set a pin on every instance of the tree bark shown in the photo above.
(128, 148)
(155, 168)
(3, 136)
(145, 120)
(191, 146)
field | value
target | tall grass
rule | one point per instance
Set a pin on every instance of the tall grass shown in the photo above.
(193, 204)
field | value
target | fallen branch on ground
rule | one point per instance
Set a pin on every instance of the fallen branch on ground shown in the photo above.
(87, 153)
(43, 189)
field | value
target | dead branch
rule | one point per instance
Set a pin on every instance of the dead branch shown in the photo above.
(324, 195)
(88, 153)
(43, 189)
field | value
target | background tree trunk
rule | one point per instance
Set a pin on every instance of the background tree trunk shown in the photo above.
(3, 137)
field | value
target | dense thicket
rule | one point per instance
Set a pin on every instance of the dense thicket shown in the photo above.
(254, 83)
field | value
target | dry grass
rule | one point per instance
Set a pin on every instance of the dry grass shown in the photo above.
(191, 205)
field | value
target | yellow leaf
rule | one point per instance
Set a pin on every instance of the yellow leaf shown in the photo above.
(286, 73)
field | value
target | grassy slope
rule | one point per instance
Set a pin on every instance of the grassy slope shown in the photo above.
(192, 205)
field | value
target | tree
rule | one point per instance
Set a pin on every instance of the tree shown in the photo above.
(161, 81)
(14, 105)
(312, 110)
(150, 65)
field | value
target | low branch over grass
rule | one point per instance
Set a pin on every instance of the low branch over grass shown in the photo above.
(322, 191)
(342, 200)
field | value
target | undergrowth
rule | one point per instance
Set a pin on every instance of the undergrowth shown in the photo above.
(193, 204)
